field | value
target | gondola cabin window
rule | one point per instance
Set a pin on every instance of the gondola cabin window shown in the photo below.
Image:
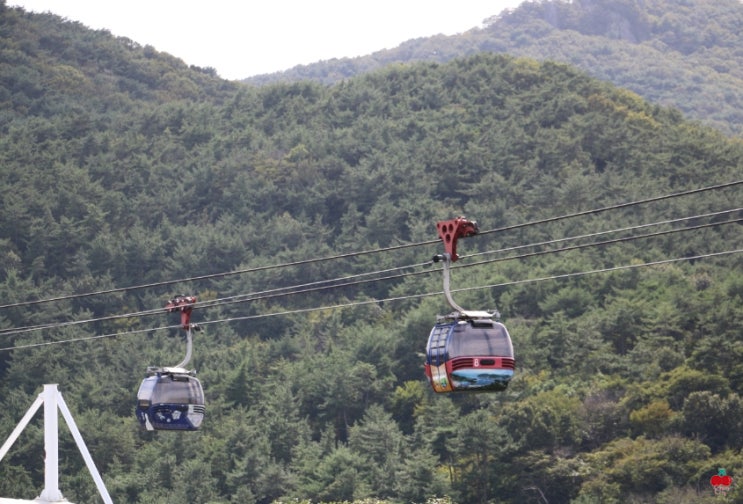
(179, 391)
(479, 338)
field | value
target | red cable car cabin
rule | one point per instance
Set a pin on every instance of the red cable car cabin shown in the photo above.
(470, 355)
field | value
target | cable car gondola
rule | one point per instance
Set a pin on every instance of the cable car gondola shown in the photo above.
(469, 354)
(171, 398)
(467, 351)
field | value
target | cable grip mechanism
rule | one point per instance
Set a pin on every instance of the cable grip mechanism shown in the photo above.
(183, 304)
(450, 231)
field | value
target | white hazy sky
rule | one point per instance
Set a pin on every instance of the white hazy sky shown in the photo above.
(242, 38)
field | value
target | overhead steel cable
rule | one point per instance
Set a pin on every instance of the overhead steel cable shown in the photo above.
(368, 252)
(313, 287)
(390, 299)
(604, 242)
(241, 298)
(352, 280)
(308, 287)
(480, 287)
(87, 338)
(255, 269)
(612, 207)
(610, 231)
(68, 323)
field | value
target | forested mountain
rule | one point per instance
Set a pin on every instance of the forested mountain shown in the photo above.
(686, 54)
(303, 217)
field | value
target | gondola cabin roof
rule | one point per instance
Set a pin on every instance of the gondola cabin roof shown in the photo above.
(469, 315)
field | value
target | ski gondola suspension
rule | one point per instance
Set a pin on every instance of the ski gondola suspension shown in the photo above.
(171, 398)
(467, 351)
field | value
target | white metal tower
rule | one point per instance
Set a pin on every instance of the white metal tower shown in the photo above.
(52, 400)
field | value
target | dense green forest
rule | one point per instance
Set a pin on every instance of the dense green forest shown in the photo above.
(610, 243)
(686, 54)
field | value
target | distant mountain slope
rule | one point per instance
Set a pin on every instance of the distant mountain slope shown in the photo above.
(687, 54)
(50, 66)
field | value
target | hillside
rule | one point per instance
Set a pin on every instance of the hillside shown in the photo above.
(303, 217)
(681, 54)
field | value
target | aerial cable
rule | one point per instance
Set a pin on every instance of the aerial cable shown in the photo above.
(367, 252)
(88, 338)
(331, 283)
(315, 286)
(302, 262)
(601, 243)
(241, 298)
(390, 299)
(55, 325)
(349, 280)
(610, 231)
(612, 207)
(610, 269)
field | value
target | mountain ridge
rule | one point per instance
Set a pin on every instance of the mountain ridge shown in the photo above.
(682, 55)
